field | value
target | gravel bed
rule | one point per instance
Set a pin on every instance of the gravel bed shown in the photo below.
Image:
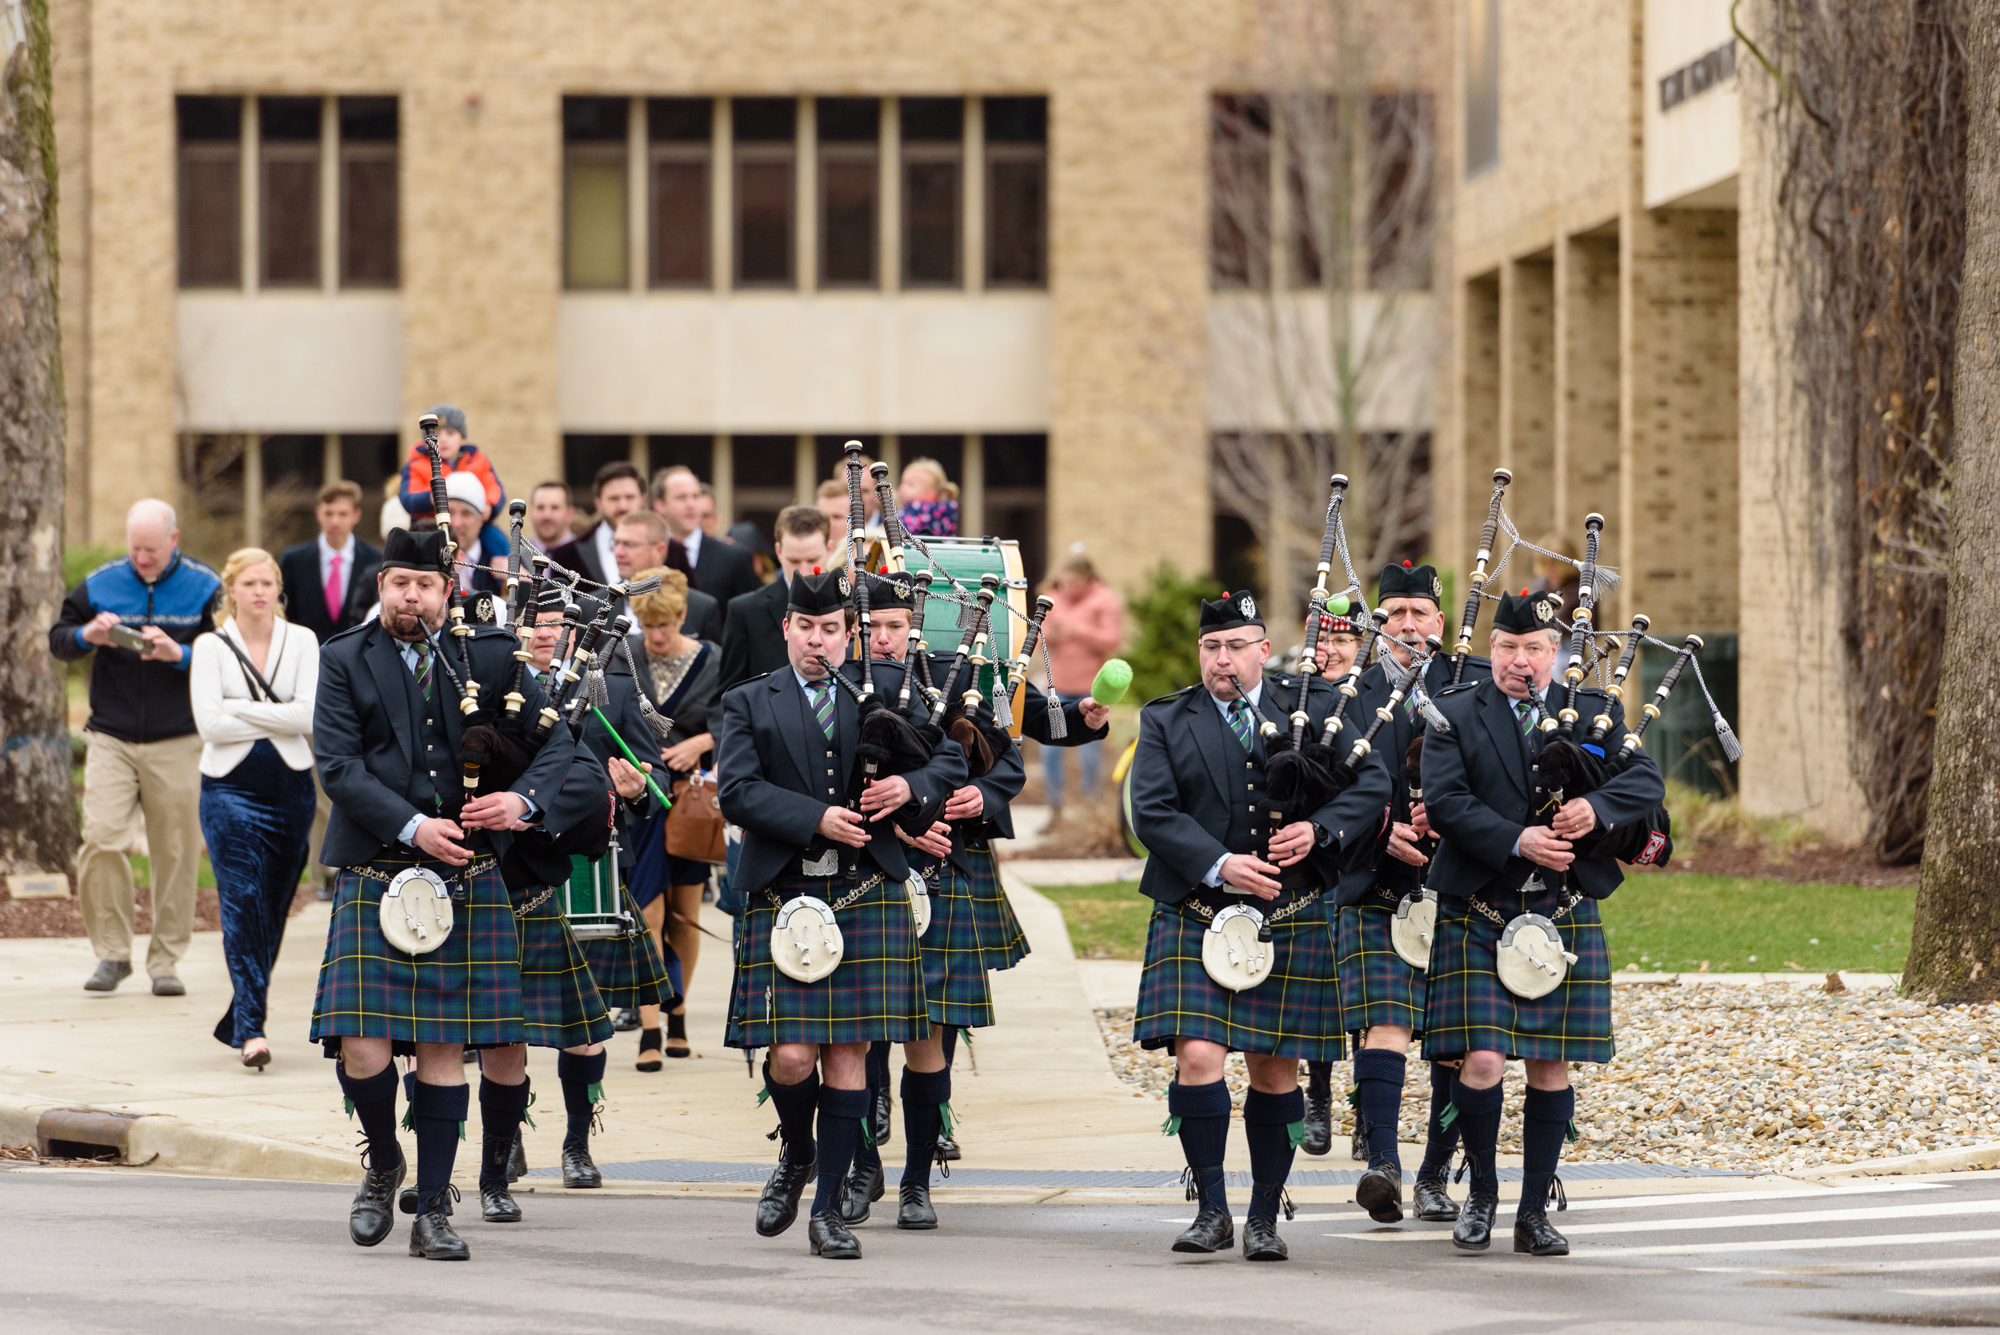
(1770, 1079)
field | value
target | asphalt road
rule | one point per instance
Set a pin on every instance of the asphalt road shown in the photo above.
(104, 1250)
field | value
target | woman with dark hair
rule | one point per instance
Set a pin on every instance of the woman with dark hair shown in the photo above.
(252, 683)
(681, 675)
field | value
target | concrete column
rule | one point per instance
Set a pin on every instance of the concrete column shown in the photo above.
(1527, 397)
(723, 470)
(972, 489)
(889, 209)
(722, 213)
(1587, 360)
(972, 232)
(805, 213)
(1466, 472)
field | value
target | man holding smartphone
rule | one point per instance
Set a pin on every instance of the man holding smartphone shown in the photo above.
(139, 614)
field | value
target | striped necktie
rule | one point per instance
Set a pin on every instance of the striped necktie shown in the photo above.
(1530, 714)
(822, 703)
(425, 669)
(1239, 722)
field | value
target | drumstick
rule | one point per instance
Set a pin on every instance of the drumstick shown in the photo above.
(666, 802)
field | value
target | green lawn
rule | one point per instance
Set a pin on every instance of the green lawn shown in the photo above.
(1668, 922)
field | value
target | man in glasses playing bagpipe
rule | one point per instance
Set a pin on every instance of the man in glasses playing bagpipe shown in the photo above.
(1383, 922)
(1245, 791)
(821, 773)
(422, 956)
(1518, 969)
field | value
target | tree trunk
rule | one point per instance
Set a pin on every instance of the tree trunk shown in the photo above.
(37, 809)
(1955, 945)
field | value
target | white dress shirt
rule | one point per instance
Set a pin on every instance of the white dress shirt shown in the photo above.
(606, 555)
(693, 544)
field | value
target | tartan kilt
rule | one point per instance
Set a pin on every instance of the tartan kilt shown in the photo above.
(1376, 987)
(467, 991)
(560, 1005)
(629, 970)
(876, 994)
(1002, 943)
(955, 983)
(1293, 1013)
(1469, 1011)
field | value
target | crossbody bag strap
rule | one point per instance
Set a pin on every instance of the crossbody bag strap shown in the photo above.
(250, 672)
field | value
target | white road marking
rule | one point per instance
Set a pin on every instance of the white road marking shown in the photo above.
(1849, 1268)
(1710, 1223)
(1640, 1202)
(1816, 1244)
(1970, 1291)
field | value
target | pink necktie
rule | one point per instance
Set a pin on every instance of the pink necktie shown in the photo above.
(333, 590)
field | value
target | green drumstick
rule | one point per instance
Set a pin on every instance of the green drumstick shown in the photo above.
(1108, 687)
(666, 803)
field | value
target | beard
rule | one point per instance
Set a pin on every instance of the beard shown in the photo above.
(407, 626)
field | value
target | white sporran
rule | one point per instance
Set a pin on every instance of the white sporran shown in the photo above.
(415, 911)
(1531, 960)
(1231, 951)
(805, 941)
(1413, 927)
(920, 902)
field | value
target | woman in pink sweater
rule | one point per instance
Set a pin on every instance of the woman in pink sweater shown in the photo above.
(1082, 630)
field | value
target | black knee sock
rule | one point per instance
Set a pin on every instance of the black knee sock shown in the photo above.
(924, 1095)
(1319, 1080)
(374, 1104)
(878, 1064)
(1478, 1121)
(795, 1105)
(1545, 1117)
(1439, 1139)
(1268, 1120)
(501, 1108)
(582, 1090)
(840, 1114)
(949, 1039)
(1378, 1098)
(437, 1113)
(1203, 1111)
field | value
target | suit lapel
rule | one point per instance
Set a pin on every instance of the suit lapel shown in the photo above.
(1213, 739)
(1497, 714)
(786, 695)
(385, 664)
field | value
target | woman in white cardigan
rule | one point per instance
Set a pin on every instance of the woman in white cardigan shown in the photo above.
(252, 682)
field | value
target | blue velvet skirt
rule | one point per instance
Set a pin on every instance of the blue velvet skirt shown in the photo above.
(257, 820)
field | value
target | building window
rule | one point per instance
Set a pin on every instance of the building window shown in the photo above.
(850, 176)
(594, 133)
(1017, 191)
(374, 461)
(369, 195)
(830, 458)
(1402, 145)
(288, 191)
(583, 456)
(680, 133)
(210, 212)
(763, 473)
(1482, 85)
(1240, 191)
(1016, 475)
(933, 134)
(694, 453)
(765, 136)
(1318, 183)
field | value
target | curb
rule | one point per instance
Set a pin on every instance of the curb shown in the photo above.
(155, 1140)
(1985, 1155)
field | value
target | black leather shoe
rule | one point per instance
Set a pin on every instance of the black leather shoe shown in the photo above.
(880, 1124)
(431, 1237)
(947, 1149)
(1474, 1230)
(517, 1160)
(862, 1187)
(1357, 1149)
(1261, 1241)
(579, 1169)
(1536, 1236)
(1380, 1193)
(779, 1205)
(370, 1218)
(108, 975)
(1430, 1201)
(497, 1204)
(913, 1206)
(1319, 1124)
(407, 1202)
(625, 1021)
(1211, 1231)
(830, 1238)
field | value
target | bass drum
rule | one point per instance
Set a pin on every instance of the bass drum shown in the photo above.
(966, 560)
(1121, 774)
(591, 900)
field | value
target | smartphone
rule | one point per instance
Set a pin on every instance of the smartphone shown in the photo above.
(127, 638)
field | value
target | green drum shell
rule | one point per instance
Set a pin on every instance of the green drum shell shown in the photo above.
(966, 560)
(591, 899)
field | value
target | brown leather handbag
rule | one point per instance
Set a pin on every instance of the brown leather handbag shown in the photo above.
(694, 822)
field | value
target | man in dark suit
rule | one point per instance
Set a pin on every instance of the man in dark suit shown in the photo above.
(753, 632)
(1511, 847)
(386, 731)
(1381, 996)
(1199, 807)
(720, 568)
(618, 490)
(786, 756)
(641, 543)
(330, 581)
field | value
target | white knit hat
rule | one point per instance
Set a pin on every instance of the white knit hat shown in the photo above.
(467, 488)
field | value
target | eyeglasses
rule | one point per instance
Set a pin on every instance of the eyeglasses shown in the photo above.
(1233, 646)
